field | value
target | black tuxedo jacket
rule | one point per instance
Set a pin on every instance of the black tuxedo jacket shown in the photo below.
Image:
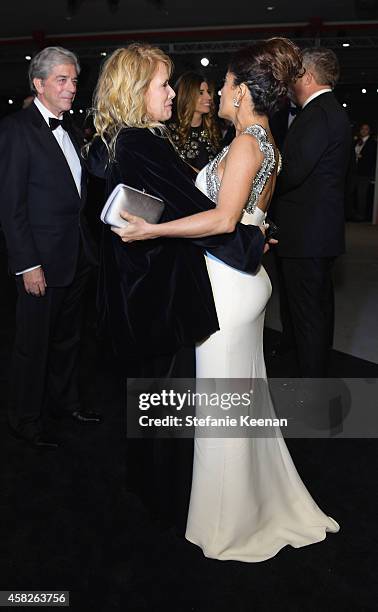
(41, 211)
(309, 202)
(368, 156)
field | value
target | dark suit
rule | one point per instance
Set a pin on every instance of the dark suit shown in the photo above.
(364, 173)
(41, 214)
(309, 210)
(367, 159)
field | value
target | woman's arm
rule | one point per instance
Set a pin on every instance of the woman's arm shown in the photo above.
(243, 161)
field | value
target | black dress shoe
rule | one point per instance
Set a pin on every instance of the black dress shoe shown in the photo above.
(39, 441)
(82, 416)
(43, 443)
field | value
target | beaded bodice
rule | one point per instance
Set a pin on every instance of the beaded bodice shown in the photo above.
(197, 150)
(266, 170)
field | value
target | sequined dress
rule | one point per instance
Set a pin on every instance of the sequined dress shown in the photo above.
(247, 499)
(197, 150)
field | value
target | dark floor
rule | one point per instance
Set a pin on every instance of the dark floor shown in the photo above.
(68, 522)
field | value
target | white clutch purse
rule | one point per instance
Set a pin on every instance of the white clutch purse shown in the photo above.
(127, 199)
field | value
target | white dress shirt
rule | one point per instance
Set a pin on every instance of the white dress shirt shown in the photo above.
(69, 151)
(315, 95)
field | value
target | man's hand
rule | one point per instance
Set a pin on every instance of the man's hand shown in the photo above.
(270, 241)
(34, 282)
(263, 229)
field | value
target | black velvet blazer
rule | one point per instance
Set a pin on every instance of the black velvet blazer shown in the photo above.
(156, 294)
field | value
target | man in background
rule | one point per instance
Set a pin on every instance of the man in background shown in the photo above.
(365, 150)
(309, 210)
(27, 101)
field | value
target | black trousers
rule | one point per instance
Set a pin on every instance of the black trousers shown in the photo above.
(45, 361)
(362, 186)
(307, 311)
(159, 470)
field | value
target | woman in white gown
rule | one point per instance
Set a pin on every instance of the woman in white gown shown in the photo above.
(247, 499)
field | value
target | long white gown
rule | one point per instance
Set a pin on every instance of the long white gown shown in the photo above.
(247, 499)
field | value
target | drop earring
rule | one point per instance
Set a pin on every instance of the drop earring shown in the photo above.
(236, 103)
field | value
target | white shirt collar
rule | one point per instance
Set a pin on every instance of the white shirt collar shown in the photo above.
(315, 95)
(45, 112)
(65, 143)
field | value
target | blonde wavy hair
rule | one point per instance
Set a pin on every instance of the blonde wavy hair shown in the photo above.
(119, 97)
(187, 90)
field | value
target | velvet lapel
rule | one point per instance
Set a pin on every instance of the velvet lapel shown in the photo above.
(52, 148)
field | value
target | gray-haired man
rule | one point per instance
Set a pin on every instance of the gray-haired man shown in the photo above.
(42, 196)
(309, 210)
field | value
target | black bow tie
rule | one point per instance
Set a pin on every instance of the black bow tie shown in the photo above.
(294, 110)
(55, 123)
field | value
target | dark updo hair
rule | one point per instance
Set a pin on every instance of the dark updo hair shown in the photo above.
(267, 67)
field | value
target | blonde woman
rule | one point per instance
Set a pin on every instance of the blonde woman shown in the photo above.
(194, 128)
(156, 295)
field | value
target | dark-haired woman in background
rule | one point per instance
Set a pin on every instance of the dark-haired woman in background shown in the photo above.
(247, 499)
(194, 129)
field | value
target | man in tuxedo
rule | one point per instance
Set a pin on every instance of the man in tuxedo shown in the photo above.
(366, 157)
(309, 210)
(42, 196)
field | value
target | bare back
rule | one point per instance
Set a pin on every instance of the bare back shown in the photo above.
(262, 162)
